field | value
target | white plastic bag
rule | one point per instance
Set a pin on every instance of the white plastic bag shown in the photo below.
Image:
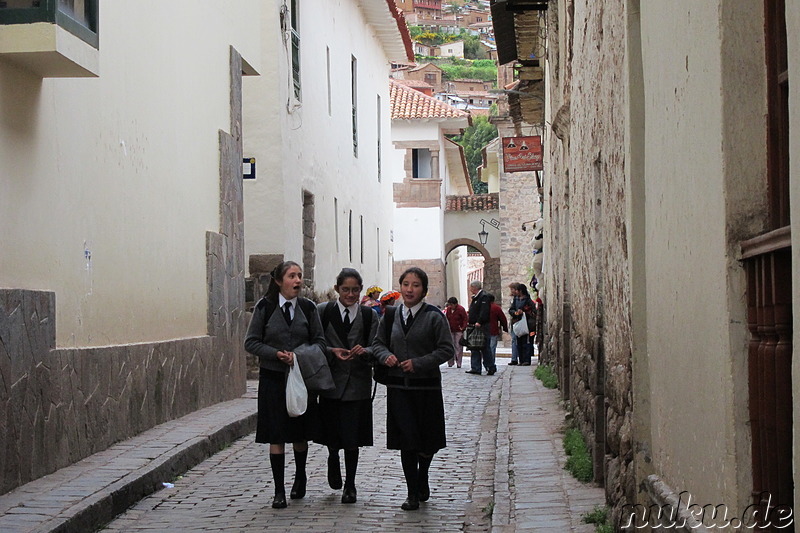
(296, 394)
(520, 328)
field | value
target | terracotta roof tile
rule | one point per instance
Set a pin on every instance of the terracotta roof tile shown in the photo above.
(414, 84)
(407, 103)
(473, 202)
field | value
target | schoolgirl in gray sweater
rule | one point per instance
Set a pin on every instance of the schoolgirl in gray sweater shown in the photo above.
(413, 346)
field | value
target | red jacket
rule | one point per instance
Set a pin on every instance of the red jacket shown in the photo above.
(497, 319)
(456, 317)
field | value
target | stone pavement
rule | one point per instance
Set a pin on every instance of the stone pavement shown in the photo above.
(502, 471)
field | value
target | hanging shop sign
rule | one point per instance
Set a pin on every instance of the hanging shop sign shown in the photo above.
(522, 154)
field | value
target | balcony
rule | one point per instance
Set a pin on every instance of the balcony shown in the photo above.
(52, 38)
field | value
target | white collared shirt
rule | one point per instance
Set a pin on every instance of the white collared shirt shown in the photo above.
(353, 310)
(282, 300)
(414, 310)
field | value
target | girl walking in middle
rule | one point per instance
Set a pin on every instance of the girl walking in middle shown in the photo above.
(346, 413)
(413, 339)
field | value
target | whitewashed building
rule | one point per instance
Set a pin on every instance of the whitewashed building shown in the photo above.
(120, 220)
(430, 174)
(317, 123)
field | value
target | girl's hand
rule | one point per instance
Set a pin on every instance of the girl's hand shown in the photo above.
(286, 357)
(407, 365)
(357, 350)
(391, 361)
(343, 354)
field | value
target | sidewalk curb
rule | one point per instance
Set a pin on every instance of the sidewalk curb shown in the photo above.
(102, 507)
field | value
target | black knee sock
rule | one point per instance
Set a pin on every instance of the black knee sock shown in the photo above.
(333, 453)
(410, 462)
(300, 463)
(424, 465)
(350, 466)
(278, 462)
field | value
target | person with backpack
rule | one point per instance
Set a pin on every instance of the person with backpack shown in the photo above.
(346, 412)
(283, 322)
(413, 339)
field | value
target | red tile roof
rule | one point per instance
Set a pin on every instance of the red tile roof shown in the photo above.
(414, 84)
(474, 202)
(407, 103)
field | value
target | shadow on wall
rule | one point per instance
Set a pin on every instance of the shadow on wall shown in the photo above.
(20, 95)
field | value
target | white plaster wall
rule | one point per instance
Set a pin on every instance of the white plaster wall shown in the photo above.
(688, 342)
(456, 265)
(467, 225)
(418, 233)
(301, 146)
(124, 166)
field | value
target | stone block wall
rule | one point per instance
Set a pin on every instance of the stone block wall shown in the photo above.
(58, 406)
(519, 203)
(436, 279)
(587, 285)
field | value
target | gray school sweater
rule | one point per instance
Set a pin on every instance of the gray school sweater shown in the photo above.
(428, 343)
(267, 335)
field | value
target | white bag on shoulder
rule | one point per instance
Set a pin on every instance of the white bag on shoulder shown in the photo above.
(296, 394)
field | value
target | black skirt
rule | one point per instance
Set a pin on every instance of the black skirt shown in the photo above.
(345, 424)
(275, 426)
(415, 420)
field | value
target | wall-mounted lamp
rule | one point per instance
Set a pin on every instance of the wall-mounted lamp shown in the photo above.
(483, 235)
(524, 224)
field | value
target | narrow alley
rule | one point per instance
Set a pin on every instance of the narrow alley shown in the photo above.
(501, 471)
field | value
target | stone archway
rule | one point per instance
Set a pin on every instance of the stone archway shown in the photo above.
(491, 265)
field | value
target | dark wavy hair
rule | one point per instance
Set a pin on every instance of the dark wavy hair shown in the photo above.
(277, 275)
(423, 277)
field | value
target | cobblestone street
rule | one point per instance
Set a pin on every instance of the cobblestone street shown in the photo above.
(232, 491)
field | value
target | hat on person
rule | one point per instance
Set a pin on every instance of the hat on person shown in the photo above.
(373, 289)
(389, 295)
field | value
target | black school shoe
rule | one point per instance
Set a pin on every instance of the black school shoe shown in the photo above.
(349, 495)
(411, 503)
(279, 500)
(298, 488)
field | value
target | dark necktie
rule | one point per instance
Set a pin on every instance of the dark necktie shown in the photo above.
(286, 314)
(409, 319)
(346, 317)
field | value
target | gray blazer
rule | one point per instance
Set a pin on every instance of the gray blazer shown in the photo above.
(428, 343)
(267, 335)
(353, 378)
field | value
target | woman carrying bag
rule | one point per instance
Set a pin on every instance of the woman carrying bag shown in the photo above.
(526, 326)
(282, 323)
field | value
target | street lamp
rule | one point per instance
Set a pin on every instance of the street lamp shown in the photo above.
(483, 235)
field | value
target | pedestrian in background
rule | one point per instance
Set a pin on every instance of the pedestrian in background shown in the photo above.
(346, 413)
(371, 300)
(282, 322)
(512, 312)
(478, 316)
(457, 319)
(388, 299)
(497, 324)
(525, 311)
(413, 339)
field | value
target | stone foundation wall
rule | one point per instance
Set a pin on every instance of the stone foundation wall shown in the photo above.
(58, 406)
(587, 285)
